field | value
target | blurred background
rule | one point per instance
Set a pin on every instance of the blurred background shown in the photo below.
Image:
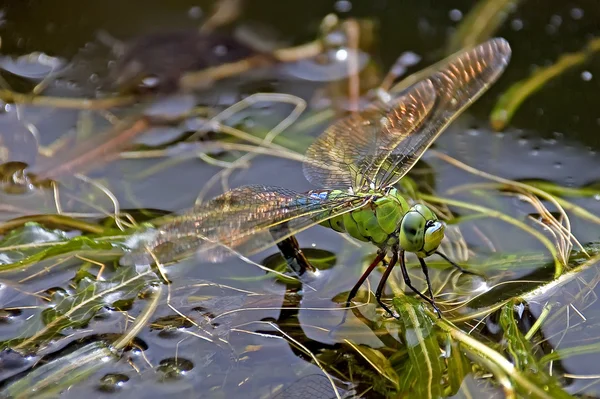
(231, 330)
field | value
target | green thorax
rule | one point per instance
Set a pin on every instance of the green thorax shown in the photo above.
(376, 221)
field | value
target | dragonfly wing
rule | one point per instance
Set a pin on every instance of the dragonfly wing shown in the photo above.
(245, 221)
(351, 151)
(459, 81)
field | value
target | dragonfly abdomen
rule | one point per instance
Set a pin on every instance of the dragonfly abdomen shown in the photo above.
(377, 221)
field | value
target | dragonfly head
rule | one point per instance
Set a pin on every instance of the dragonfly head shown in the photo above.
(420, 231)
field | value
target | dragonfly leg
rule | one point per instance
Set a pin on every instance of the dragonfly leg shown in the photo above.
(426, 273)
(454, 264)
(416, 291)
(293, 255)
(361, 280)
(384, 278)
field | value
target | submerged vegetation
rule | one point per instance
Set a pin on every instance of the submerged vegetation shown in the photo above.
(75, 318)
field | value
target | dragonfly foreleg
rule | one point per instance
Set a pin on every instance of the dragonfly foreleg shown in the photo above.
(431, 301)
(454, 264)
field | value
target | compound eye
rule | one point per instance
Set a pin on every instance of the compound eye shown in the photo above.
(412, 231)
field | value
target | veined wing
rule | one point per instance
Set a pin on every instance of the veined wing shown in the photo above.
(247, 220)
(460, 80)
(377, 147)
(350, 152)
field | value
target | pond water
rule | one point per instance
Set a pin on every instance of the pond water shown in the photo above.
(74, 323)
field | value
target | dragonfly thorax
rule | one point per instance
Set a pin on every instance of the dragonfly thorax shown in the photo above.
(386, 219)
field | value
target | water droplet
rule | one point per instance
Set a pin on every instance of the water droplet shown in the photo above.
(556, 20)
(576, 13)
(516, 24)
(220, 50)
(341, 55)
(586, 76)
(424, 25)
(195, 12)
(455, 15)
(342, 6)
(8, 315)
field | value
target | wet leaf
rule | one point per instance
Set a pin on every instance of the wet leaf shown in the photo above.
(378, 361)
(49, 379)
(553, 188)
(33, 243)
(71, 310)
(522, 354)
(458, 365)
(424, 376)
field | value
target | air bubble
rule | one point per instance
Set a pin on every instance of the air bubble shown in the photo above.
(342, 6)
(576, 13)
(516, 24)
(586, 76)
(455, 15)
(195, 12)
(556, 20)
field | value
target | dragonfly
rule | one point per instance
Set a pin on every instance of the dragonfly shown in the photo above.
(356, 162)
